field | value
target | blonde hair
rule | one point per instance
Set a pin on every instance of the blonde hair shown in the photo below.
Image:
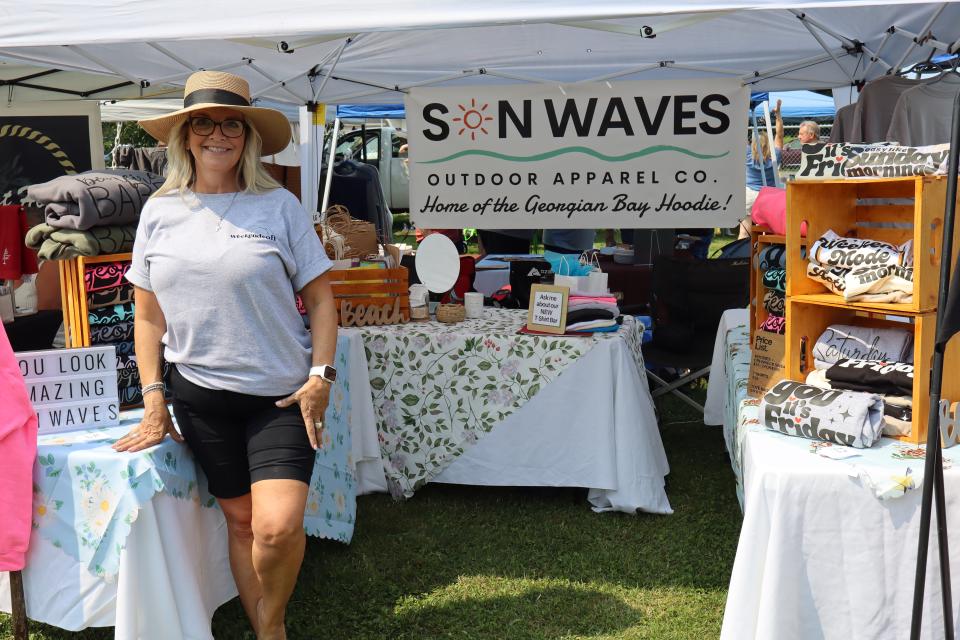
(764, 149)
(182, 170)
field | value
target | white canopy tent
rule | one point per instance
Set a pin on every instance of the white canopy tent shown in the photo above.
(303, 51)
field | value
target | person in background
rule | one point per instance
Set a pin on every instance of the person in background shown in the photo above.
(762, 164)
(456, 235)
(220, 254)
(569, 240)
(809, 132)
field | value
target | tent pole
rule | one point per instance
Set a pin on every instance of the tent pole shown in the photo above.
(92, 58)
(466, 73)
(691, 67)
(326, 77)
(619, 74)
(183, 75)
(823, 45)
(875, 56)
(756, 76)
(171, 55)
(279, 83)
(924, 34)
(770, 141)
(330, 162)
(513, 76)
(933, 464)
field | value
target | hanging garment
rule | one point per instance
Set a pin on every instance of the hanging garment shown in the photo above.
(875, 107)
(18, 450)
(923, 114)
(841, 341)
(842, 130)
(847, 418)
(15, 259)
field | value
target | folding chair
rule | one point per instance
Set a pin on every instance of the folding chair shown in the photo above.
(689, 297)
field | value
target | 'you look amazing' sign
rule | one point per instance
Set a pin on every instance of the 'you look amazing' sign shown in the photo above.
(72, 389)
(593, 155)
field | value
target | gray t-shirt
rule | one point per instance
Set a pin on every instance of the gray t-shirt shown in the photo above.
(871, 118)
(923, 114)
(228, 295)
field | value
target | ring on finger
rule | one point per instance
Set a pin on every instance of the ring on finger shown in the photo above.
(318, 425)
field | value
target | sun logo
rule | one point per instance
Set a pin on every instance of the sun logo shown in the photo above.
(473, 119)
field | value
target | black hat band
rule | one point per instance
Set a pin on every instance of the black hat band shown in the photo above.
(215, 96)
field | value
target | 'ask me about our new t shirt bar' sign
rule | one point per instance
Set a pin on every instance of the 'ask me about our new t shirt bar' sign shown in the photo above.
(72, 389)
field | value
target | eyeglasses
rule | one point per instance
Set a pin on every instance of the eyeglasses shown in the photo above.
(204, 126)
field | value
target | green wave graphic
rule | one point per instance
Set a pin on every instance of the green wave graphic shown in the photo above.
(584, 150)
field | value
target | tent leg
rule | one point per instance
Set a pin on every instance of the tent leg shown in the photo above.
(18, 606)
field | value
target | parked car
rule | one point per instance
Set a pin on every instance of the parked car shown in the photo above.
(380, 147)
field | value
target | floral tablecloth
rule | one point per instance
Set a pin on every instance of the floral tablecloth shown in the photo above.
(890, 468)
(87, 496)
(438, 388)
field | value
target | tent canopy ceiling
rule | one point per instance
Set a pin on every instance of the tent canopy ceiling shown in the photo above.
(374, 49)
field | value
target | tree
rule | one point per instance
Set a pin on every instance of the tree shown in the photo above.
(130, 133)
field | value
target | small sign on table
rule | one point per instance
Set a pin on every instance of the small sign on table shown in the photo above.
(548, 308)
(72, 389)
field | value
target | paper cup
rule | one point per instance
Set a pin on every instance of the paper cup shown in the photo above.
(473, 302)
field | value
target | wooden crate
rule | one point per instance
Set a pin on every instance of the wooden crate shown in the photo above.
(891, 210)
(371, 287)
(809, 319)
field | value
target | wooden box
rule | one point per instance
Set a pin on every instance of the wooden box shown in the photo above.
(891, 210)
(809, 318)
(373, 288)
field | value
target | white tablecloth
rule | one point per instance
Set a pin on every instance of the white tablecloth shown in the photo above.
(827, 547)
(714, 406)
(149, 598)
(593, 426)
(821, 557)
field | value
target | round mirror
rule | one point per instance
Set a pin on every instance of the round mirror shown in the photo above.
(438, 263)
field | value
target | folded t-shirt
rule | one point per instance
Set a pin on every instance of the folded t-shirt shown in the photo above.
(587, 315)
(873, 376)
(841, 341)
(774, 324)
(775, 279)
(774, 302)
(848, 418)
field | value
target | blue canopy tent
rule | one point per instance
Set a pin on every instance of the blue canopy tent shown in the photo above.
(797, 104)
(383, 111)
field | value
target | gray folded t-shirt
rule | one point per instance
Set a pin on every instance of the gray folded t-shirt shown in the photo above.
(228, 295)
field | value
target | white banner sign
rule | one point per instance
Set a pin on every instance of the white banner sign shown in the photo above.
(595, 155)
(72, 389)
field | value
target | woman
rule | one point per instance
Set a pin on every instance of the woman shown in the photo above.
(220, 252)
(761, 166)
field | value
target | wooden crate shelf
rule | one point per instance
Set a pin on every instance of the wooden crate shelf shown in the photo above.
(760, 238)
(809, 318)
(891, 210)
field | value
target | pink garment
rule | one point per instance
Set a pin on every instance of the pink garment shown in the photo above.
(18, 450)
(770, 210)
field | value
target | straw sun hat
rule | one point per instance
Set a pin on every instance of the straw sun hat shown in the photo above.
(207, 89)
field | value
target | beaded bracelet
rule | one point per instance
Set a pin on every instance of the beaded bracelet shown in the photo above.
(156, 386)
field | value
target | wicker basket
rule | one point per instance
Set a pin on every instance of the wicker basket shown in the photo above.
(347, 237)
(451, 313)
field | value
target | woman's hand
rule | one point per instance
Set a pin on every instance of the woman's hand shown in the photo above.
(313, 397)
(156, 424)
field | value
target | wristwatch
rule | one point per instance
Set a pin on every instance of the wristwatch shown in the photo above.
(326, 372)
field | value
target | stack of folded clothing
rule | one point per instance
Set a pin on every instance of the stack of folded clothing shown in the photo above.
(774, 289)
(89, 214)
(592, 313)
(863, 270)
(869, 360)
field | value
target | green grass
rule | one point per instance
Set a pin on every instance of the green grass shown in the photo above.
(521, 563)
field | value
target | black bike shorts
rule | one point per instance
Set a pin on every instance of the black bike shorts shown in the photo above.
(239, 439)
